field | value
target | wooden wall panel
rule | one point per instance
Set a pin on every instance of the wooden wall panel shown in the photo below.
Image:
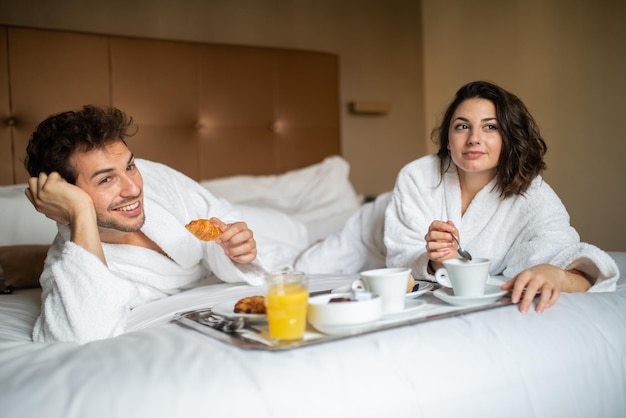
(156, 82)
(51, 72)
(6, 150)
(306, 111)
(207, 110)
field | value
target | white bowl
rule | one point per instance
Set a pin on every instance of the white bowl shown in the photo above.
(342, 317)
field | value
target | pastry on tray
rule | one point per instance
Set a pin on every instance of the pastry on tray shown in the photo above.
(411, 285)
(250, 305)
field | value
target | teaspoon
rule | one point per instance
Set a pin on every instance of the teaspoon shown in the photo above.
(461, 251)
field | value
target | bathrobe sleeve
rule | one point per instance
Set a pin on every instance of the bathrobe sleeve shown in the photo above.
(357, 247)
(415, 203)
(540, 232)
(82, 300)
(172, 200)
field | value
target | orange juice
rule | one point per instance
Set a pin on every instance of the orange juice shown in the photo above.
(286, 305)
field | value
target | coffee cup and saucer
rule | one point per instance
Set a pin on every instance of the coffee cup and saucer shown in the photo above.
(465, 283)
(391, 284)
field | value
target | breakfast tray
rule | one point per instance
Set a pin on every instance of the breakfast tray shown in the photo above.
(256, 336)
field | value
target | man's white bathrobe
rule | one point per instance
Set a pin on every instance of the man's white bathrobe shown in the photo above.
(515, 233)
(84, 300)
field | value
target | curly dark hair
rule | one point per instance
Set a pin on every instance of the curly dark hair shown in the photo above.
(523, 148)
(57, 137)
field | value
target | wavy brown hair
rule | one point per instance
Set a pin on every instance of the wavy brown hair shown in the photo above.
(523, 148)
(57, 137)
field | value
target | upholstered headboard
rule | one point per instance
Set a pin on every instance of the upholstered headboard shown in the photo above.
(207, 110)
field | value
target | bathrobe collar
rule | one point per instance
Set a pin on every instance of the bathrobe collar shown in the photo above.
(480, 210)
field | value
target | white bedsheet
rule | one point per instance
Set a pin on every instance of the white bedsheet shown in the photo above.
(568, 362)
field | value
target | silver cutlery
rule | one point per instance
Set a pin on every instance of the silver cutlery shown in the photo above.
(224, 324)
(461, 251)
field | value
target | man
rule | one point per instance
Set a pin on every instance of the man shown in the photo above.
(121, 239)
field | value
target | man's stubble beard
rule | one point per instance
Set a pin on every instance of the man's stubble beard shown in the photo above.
(109, 223)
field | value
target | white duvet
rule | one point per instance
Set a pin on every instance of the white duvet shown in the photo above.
(568, 361)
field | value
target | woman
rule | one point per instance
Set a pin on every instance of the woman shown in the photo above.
(484, 185)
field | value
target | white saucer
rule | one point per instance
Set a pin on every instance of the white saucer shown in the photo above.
(424, 287)
(345, 329)
(227, 309)
(410, 305)
(492, 294)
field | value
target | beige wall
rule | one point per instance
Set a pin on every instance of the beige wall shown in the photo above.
(378, 42)
(564, 58)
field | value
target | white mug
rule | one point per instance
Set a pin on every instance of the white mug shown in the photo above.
(466, 278)
(389, 283)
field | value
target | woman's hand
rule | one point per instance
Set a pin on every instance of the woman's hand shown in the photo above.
(547, 279)
(439, 243)
(237, 240)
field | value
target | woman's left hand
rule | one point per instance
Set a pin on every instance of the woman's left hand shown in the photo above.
(545, 278)
(237, 240)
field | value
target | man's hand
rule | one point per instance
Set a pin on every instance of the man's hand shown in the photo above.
(56, 198)
(67, 204)
(237, 240)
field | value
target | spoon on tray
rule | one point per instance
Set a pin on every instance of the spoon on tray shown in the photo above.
(461, 251)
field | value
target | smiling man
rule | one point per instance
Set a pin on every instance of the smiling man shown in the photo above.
(121, 239)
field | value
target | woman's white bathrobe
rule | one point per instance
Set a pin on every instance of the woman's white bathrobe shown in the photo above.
(515, 233)
(84, 300)
(358, 246)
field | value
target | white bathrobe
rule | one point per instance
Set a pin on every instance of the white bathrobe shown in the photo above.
(85, 300)
(357, 247)
(515, 233)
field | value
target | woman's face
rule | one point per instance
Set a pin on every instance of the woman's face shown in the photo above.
(474, 138)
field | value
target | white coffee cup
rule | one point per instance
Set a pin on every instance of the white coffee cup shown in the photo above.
(466, 278)
(390, 283)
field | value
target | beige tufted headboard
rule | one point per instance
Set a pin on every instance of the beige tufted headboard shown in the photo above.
(208, 110)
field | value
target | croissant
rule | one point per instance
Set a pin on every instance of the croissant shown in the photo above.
(411, 285)
(250, 305)
(204, 229)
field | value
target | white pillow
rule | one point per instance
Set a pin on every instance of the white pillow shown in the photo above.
(320, 195)
(308, 194)
(20, 223)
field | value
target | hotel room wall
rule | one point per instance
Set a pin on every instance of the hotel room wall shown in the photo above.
(565, 60)
(378, 43)
(562, 57)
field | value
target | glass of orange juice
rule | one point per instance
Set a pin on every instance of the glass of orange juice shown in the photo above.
(286, 302)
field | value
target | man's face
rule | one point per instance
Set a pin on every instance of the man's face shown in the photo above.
(110, 177)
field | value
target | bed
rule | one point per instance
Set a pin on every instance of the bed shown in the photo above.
(279, 110)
